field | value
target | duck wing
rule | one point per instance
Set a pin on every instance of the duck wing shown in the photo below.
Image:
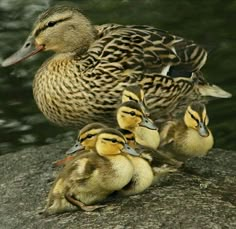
(162, 50)
(132, 47)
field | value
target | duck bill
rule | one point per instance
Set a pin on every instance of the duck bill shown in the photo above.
(129, 150)
(75, 148)
(29, 48)
(202, 130)
(148, 123)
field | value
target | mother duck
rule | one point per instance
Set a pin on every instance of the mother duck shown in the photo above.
(83, 81)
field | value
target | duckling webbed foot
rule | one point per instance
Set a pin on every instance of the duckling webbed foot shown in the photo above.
(78, 203)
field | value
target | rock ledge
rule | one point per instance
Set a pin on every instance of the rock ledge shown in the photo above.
(201, 196)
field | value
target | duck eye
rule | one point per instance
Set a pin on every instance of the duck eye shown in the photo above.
(132, 113)
(51, 23)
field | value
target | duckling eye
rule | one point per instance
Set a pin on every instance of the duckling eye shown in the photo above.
(130, 98)
(89, 136)
(51, 23)
(113, 140)
(194, 118)
(132, 113)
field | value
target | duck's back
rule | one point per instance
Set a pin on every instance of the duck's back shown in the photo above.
(160, 50)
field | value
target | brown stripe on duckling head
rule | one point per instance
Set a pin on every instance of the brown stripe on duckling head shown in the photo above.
(94, 125)
(112, 131)
(136, 90)
(131, 104)
(89, 131)
(128, 134)
(200, 109)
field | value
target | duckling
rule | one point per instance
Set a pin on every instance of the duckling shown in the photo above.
(161, 164)
(91, 176)
(94, 64)
(86, 140)
(131, 117)
(142, 175)
(188, 137)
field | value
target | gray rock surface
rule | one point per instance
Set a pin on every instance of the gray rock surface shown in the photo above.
(203, 195)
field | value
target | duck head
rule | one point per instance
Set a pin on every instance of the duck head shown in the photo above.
(61, 29)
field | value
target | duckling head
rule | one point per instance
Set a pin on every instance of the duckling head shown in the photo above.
(62, 29)
(112, 142)
(196, 118)
(135, 93)
(130, 115)
(87, 137)
(129, 136)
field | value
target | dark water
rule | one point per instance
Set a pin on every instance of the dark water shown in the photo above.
(211, 23)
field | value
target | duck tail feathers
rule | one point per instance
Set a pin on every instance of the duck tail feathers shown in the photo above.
(213, 91)
(207, 89)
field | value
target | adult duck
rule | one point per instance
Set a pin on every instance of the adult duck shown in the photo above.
(92, 65)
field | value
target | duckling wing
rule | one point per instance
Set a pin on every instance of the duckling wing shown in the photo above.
(81, 168)
(157, 158)
(167, 133)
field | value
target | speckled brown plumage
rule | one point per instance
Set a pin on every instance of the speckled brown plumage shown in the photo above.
(83, 81)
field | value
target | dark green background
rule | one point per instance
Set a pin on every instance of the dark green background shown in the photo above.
(211, 23)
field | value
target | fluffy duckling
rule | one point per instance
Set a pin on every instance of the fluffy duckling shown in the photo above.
(161, 164)
(131, 117)
(142, 175)
(90, 177)
(188, 137)
(88, 136)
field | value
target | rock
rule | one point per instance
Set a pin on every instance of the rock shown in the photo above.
(202, 195)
